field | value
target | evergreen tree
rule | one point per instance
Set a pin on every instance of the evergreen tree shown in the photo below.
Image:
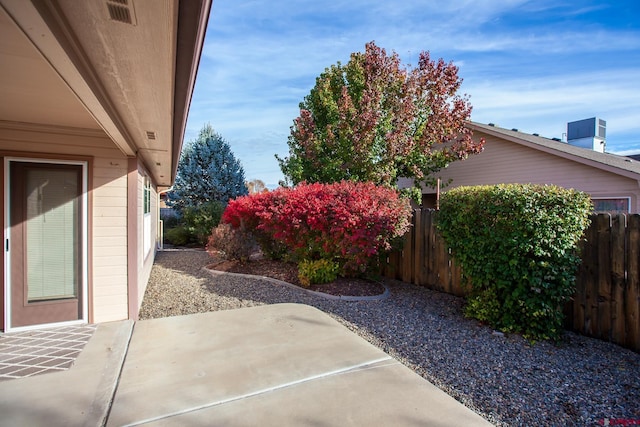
(207, 172)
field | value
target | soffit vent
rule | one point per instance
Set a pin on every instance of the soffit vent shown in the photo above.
(151, 135)
(121, 11)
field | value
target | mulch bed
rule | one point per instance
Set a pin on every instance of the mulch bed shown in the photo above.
(288, 272)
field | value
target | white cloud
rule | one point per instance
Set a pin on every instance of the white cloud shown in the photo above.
(545, 104)
(529, 65)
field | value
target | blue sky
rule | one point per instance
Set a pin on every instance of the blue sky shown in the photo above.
(531, 65)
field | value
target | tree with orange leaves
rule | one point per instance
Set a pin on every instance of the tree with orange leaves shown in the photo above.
(375, 120)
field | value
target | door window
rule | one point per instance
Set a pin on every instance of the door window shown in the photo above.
(52, 233)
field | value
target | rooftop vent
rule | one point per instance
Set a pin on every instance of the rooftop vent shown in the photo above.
(588, 133)
(556, 139)
(536, 134)
(491, 124)
(514, 129)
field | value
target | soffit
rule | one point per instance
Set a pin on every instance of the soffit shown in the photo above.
(122, 74)
(30, 89)
(135, 62)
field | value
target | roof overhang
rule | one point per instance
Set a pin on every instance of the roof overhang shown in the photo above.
(132, 78)
(560, 149)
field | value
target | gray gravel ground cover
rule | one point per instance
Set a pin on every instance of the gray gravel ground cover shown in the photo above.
(580, 381)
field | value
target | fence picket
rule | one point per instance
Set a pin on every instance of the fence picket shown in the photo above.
(603, 306)
(632, 289)
(407, 250)
(618, 228)
(586, 297)
(431, 261)
(457, 287)
(425, 236)
(418, 247)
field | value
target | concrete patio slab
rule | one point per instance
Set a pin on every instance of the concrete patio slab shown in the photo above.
(80, 396)
(283, 364)
(384, 394)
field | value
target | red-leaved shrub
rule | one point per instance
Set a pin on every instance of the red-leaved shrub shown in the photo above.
(348, 222)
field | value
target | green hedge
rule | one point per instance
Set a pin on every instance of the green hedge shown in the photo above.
(194, 225)
(517, 246)
(201, 220)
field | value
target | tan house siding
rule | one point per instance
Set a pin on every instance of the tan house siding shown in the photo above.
(121, 119)
(108, 263)
(507, 162)
(146, 259)
(110, 239)
(139, 261)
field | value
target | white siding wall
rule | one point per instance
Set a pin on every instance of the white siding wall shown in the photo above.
(507, 162)
(109, 230)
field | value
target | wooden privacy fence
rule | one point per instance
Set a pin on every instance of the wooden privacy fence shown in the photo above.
(606, 304)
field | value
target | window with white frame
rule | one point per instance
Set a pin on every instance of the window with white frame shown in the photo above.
(147, 195)
(611, 204)
(146, 217)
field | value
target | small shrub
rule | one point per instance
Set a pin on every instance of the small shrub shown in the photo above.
(271, 248)
(517, 246)
(317, 272)
(178, 236)
(231, 243)
(200, 220)
(484, 306)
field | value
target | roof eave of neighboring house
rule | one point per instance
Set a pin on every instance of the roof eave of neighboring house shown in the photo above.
(609, 162)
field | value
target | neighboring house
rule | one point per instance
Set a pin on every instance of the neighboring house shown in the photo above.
(510, 156)
(94, 100)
